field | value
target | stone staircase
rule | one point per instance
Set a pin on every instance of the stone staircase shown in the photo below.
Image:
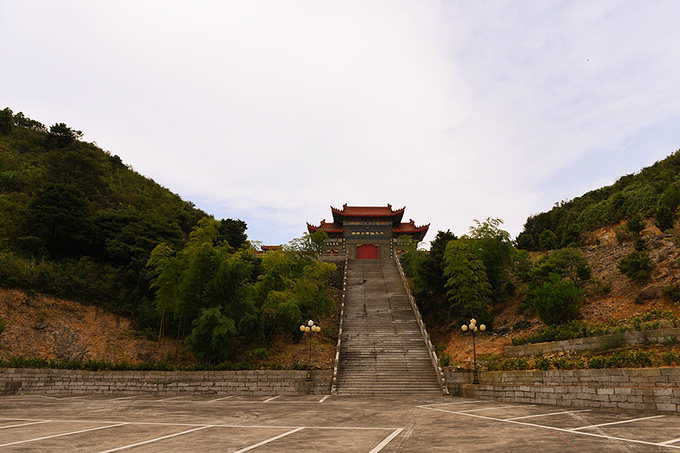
(382, 350)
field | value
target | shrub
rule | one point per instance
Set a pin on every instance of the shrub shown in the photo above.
(542, 363)
(556, 301)
(672, 292)
(547, 240)
(636, 265)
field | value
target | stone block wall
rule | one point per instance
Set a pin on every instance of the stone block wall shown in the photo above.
(243, 383)
(593, 343)
(645, 389)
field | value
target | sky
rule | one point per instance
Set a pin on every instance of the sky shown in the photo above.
(273, 111)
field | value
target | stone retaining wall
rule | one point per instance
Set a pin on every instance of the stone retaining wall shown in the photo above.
(646, 389)
(593, 343)
(250, 382)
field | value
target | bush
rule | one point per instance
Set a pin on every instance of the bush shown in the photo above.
(556, 301)
(547, 240)
(636, 265)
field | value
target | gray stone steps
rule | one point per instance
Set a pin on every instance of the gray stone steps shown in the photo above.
(382, 349)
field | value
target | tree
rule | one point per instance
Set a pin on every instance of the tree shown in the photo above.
(494, 247)
(636, 265)
(6, 121)
(59, 216)
(665, 220)
(427, 270)
(63, 135)
(635, 225)
(213, 336)
(547, 240)
(233, 232)
(469, 290)
(557, 301)
(568, 262)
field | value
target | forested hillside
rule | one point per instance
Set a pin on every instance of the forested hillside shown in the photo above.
(78, 223)
(652, 193)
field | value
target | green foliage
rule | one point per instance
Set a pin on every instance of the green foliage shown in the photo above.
(567, 262)
(559, 332)
(665, 219)
(635, 225)
(6, 121)
(76, 222)
(556, 301)
(469, 290)
(225, 294)
(672, 292)
(426, 270)
(636, 265)
(654, 191)
(547, 240)
(213, 336)
(651, 319)
(493, 246)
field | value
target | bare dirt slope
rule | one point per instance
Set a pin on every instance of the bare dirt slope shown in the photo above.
(51, 328)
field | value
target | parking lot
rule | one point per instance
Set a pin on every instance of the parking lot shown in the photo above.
(147, 423)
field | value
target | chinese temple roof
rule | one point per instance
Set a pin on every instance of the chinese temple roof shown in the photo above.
(325, 226)
(367, 211)
(411, 228)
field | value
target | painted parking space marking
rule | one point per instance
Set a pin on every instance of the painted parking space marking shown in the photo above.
(271, 399)
(157, 439)
(324, 398)
(219, 399)
(668, 442)
(631, 420)
(549, 427)
(488, 409)
(61, 435)
(271, 439)
(547, 415)
(381, 437)
(25, 424)
(387, 440)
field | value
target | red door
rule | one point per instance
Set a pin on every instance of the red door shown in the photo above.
(367, 252)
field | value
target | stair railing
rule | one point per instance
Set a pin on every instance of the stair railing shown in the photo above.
(334, 382)
(423, 330)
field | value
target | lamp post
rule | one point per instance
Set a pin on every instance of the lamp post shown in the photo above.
(472, 327)
(310, 327)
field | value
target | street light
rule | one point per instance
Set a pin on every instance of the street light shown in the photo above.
(472, 327)
(310, 327)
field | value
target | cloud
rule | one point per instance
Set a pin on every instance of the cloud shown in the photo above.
(272, 111)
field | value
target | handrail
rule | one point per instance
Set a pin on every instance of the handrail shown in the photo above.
(334, 382)
(423, 330)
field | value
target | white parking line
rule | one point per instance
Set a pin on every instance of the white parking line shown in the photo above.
(487, 408)
(631, 420)
(271, 439)
(386, 440)
(156, 439)
(219, 399)
(271, 399)
(547, 415)
(548, 427)
(25, 424)
(170, 399)
(668, 442)
(62, 434)
(324, 398)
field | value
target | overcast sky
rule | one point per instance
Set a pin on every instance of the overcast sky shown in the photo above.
(272, 111)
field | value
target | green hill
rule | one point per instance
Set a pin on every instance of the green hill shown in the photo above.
(76, 222)
(654, 193)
